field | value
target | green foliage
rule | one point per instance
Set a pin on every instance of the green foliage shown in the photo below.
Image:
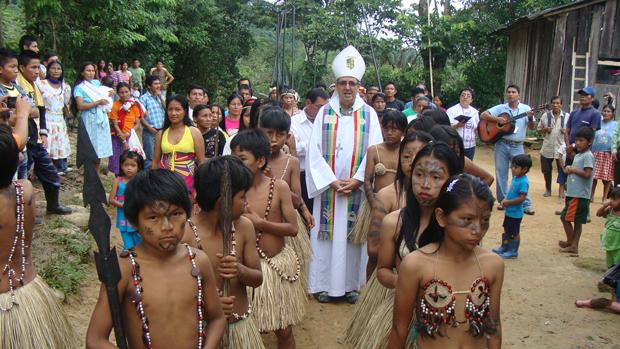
(11, 24)
(62, 255)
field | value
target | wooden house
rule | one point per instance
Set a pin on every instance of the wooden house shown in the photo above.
(560, 50)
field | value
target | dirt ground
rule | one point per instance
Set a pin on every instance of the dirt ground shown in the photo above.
(538, 296)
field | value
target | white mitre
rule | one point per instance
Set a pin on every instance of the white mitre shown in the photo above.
(349, 62)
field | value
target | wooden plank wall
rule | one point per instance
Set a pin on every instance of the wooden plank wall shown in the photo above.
(611, 29)
(517, 53)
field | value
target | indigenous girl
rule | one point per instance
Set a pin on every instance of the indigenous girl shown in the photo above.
(601, 148)
(124, 116)
(401, 230)
(440, 102)
(610, 239)
(179, 147)
(381, 164)
(130, 164)
(217, 110)
(449, 135)
(230, 123)
(378, 103)
(206, 122)
(30, 313)
(57, 98)
(450, 287)
(289, 102)
(390, 199)
(101, 70)
(93, 105)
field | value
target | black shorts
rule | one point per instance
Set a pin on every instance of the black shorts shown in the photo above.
(512, 226)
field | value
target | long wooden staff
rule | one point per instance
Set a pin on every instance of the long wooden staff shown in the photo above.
(226, 227)
(99, 226)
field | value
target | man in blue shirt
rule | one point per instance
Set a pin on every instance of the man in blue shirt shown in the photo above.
(153, 120)
(586, 115)
(510, 145)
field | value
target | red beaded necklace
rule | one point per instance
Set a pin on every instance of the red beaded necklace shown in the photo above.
(20, 239)
(136, 298)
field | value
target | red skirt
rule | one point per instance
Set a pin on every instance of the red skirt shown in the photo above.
(603, 166)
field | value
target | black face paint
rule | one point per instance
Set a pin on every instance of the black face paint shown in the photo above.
(428, 178)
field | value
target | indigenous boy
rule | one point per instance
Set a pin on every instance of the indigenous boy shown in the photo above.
(279, 303)
(167, 289)
(276, 123)
(242, 265)
(513, 203)
(30, 314)
(578, 190)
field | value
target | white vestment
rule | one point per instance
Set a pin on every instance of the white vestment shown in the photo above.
(337, 266)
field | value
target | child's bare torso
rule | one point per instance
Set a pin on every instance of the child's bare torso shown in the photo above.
(169, 300)
(212, 244)
(389, 159)
(8, 231)
(258, 198)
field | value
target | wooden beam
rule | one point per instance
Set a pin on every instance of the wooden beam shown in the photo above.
(611, 63)
(595, 37)
(608, 29)
(573, 8)
(555, 65)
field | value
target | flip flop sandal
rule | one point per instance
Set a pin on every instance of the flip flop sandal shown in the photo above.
(352, 297)
(323, 297)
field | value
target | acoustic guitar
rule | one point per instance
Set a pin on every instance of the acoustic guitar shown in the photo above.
(492, 131)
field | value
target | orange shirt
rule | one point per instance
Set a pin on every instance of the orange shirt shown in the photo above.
(131, 117)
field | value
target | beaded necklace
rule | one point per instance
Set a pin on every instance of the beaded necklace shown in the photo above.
(233, 252)
(20, 238)
(136, 298)
(262, 254)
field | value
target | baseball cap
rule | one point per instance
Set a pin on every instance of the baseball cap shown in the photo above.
(587, 91)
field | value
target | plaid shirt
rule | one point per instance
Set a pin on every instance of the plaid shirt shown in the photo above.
(155, 111)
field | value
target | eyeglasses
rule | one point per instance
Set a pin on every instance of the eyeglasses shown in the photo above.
(345, 83)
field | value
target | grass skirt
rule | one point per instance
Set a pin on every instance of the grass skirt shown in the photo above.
(278, 303)
(301, 245)
(377, 331)
(38, 321)
(359, 231)
(372, 295)
(244, 334)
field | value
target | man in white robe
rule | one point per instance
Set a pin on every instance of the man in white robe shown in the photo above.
(335, 163)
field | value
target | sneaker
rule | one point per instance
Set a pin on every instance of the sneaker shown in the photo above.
(547, 194)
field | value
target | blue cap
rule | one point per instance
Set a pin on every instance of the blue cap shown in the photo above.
(587, 91)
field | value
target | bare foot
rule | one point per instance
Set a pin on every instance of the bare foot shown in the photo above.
(563, 243)
(596, 303)
(570, 249)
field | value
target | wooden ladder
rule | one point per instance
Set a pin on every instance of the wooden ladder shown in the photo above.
(578, 83)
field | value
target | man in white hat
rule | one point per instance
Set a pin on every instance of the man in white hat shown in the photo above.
(335, 163)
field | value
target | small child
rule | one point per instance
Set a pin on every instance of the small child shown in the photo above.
(578, 191)
(130, 164)
(135, 91)
(277, 124)
(167, 289)
(242, 266)
(381, 165)
(610, 240)
(279, 303)
(31, 315)
(513, 203)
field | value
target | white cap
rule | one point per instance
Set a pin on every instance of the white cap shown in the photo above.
(349, 62)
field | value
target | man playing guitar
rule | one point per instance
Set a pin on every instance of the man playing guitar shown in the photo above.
(510, 145)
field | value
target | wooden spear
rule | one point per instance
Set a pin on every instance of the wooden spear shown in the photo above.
(226, 227)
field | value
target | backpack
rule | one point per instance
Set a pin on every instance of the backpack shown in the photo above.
(549, 116)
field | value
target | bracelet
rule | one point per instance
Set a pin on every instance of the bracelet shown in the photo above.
(124, 141)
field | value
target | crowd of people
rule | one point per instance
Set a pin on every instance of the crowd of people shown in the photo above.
(231, 215)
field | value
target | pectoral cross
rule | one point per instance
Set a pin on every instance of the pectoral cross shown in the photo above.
(338, 148)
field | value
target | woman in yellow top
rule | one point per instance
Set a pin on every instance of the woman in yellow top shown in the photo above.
(179, 146)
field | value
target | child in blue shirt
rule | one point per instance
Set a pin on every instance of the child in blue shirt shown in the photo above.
(513, 203)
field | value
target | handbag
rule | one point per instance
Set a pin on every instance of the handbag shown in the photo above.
(612, 275)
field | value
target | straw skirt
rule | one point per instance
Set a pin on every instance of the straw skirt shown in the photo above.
(278, 303)
(301, 245)
(244, 334)
(359, 231)
(37, 321)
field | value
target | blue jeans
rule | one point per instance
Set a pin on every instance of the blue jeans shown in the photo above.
(504, 153)
(469, 153)
(148, 142)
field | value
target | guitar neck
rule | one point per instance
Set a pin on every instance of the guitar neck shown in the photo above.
(522, 115)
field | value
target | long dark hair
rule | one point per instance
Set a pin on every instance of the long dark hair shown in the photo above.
(400, 183)
(184, 104)
(454, 193)
(451, 137)
(79, 78)
(62, 75)
(228, 101)
(410, 215)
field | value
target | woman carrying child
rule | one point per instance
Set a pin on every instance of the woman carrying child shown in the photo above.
(448, 291)
(124, 117)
